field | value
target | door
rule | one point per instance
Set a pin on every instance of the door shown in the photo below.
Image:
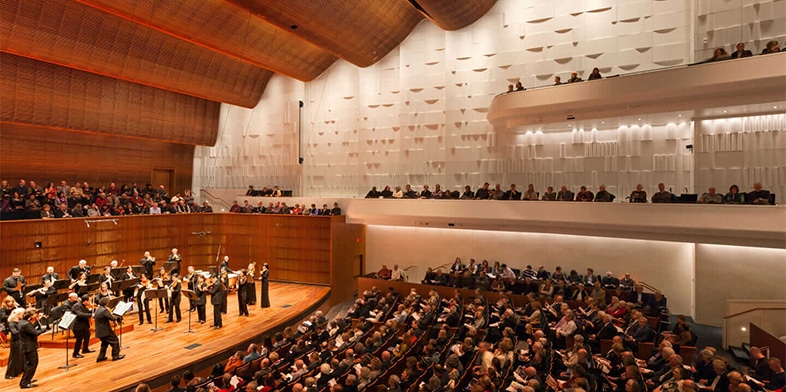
(165, 177)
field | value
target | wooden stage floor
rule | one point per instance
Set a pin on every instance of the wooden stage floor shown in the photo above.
(151, 355)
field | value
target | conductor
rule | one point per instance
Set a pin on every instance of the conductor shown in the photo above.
(105, 333)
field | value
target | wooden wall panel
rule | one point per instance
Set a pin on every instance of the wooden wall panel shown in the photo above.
(44, 155)
(348, 253)
(298, 248)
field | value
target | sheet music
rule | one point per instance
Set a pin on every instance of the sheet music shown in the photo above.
(122, 308)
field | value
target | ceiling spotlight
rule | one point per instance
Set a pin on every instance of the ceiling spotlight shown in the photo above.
(679, 115)
(725, 111)
(639, 118)
(775, 107)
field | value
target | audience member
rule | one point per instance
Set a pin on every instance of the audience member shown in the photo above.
(595, 74)
(740, 52)
(758, 195)
(734, 196)
(661, 196)
(710, 197)
(772, 47)
(639, 195)
(574, 77)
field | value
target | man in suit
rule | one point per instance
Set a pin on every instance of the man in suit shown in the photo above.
(217, 300)
(512, 194)
(564, 194)
(741, 52)
(14, 284)
(174, 302)
(81, 326)
(640, 334)
(50, 275)
(74, 272)
(104, 332)
(148, 262)
(29, 337)
(175, 258)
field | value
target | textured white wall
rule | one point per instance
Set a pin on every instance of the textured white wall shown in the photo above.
(724, 23)
(419, 115)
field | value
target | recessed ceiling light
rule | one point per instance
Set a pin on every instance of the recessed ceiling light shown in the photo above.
(774, 107)
(639, 118)
(602, 122)
(725, 111)
(679, 115)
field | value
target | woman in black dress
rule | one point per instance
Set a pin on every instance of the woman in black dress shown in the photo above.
(16, 358)
(242, 292)
(251, 287)
(264, 298)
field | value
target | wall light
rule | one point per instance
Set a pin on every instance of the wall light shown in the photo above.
(743, 329)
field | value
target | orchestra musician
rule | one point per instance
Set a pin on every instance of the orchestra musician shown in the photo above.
(50, 275)
(251, 288)
(201, 289)
(148, 262)
(174, 296)
(9, 304)
(218, 300)
(29, 337)
(106, 277)
(163, 279)
(79, 282)
(191, 279)
(175, 258)
(225, 265)
(129, 292)
(105, 333)
(73, 298)
(81, 327)
(16, 359)
(142, 301)
(264, 299)
(241, 293)
(103, 292)
(14, 284)
(42, 294)
(82, 267)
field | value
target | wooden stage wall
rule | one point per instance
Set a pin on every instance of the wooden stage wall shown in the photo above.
(315, 250)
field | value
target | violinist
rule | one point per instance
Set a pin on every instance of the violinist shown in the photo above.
(74, 272)
(129, 292)
(174, 297)
(148, 262)
(14, 284)
(163, 279)
(81, 327)
(106, 277)
(50, 275)
(251, 288)
(263, 296)
(9, 304)
(201, 288)
(175, 258)
(190, 280)
(142, 301)
(103, 292)
(224, 278)
(105, 332)
(29, 336)
(16, 360)
(217, 299)
(242, 292)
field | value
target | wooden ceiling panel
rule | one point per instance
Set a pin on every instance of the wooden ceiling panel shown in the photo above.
(78, 36)
(454, 15)
(361, 32)
(48, 95)
(226, 28)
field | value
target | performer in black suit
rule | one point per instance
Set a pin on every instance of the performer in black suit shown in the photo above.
(104, 332)
(242, 293)
(29, 336)
(264, 298)
(217, 300)
(201, 291)
(50, 275)
(142, 301)
(129, 292)
(148, 262)
(174, 293)
(81, 326)
(106, 277)
(191, 279)
(175, 258)
(14, 284)
(225, 265)
(74, 272)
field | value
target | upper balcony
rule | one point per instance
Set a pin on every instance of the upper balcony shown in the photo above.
(752, 80)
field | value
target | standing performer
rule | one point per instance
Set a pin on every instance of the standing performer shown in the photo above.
(264, 298)
(175, 258)
(104, 332)
(16, 357)
(50, 275)
(251, 287)
(148, 262)
(74, 272)
(163, 279)
(29, 337)
(224, 278)
(225, 265)
(14, 284)
(142, 301)
(242, 293)
(129, 292)
(81, 326)
(191, 279)
(201, 291)
(174, 297)
(217, 300)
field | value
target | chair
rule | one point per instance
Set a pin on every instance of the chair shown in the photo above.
(687, 353)
(645, 350)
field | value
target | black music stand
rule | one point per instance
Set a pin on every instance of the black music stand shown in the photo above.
(32, 287)
(61, 284)
(123, 285)
(192, 296)
(119, 308)
(153, 294)
(88, 288)
(117, 272)
(93, 278)
(139, 270)
(56, 313)
(65, 323)
(51, 304)
(168, 265)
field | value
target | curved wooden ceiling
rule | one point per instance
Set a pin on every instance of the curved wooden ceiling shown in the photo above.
(217, 50)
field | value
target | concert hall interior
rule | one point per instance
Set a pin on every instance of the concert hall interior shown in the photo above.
(307, 159)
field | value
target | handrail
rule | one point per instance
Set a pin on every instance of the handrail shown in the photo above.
(752, 310)
(649, 287)
(214, 198)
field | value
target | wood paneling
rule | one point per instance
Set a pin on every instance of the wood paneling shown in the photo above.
(298, 248)
(348, 248)
(46, 155)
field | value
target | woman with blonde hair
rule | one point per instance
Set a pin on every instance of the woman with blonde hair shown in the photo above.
(16, 358)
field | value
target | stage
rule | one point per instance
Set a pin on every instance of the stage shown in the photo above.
(151, 355)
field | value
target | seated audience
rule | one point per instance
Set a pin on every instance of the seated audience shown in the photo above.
(718, 55)
(772, 47)
(386, 193)
(584, 194)
(741, 52)
(661, 196)
(557, 81)
(512, 194)
(519, 87)
(564, 194)
(549, 195)
(734, 196)
(710, 197)
(468, 194)
(530, 193)
(398, 194)
(574, 77)
(425, 193)
(758, 195)
(373, 193)
(639, 195)
(595, 74)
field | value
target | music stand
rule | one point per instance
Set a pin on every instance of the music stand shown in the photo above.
(168, 265)
(88, 288)
(123, 285)
(153, 294)
(65, 323)
(192, 296)
(117, 272)
(138, 269)
(61, 284)
(56, 314)
(119, 308)
(32, 287)
(92, 278)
